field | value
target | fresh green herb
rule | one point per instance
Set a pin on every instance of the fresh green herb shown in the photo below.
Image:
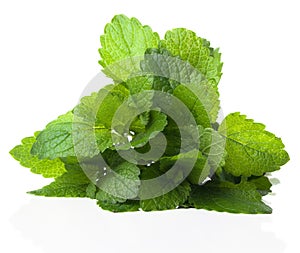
(151, 140)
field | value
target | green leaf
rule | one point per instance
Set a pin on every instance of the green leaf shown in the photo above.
(195, 92)
(128, 206)
(262, 184)
(168, 71)
(109, 202)
(157, 123)
(94, 192)
(139, 123)
(251, 150)
(170, 200)
(151, 141)
(73, 183)
(88, 126)
(107, 103)
(164, 84)
(138, 84)
(201, 100)
(123, 45)
(125, 184)
(192, 159)
(173, 138)
(100, 108)
(164, 68)
(109, 100)
(212, 146)
(91, 191)
(228, 197)
(58, 139)
(116, 178)
(47, 168)
(222, 175)
(138, 108)
(209, 159)
(185, 43)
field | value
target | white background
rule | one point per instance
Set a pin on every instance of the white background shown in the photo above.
(48, 53)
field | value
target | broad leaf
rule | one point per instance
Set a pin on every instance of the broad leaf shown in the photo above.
(251, 150)
(123, 45)
(45, 167)
(228, 197)
(185, 43)
(60, 136)
(170, 200)
(73, 183)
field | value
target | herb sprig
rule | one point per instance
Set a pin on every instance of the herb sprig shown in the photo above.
(92, 153)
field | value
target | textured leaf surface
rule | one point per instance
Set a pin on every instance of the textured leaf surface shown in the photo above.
(251, 150)
(212, 146)
(228, 197)
(88, 126)
(192, 159)
(109, 100)
(203, 103)
(45, 167)
(121, 179)
(109, 202)
(124, 188)
(170, 200)
(130, 149)
(157, 123)
(211, 156)
(173, 136)
(100, 108)
(94, 192)
(139, 83)
(73, 183)
(58, 140)
(185, 43)
(168, 70)
(123, 45)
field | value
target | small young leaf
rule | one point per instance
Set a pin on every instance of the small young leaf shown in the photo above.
(157, 123)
